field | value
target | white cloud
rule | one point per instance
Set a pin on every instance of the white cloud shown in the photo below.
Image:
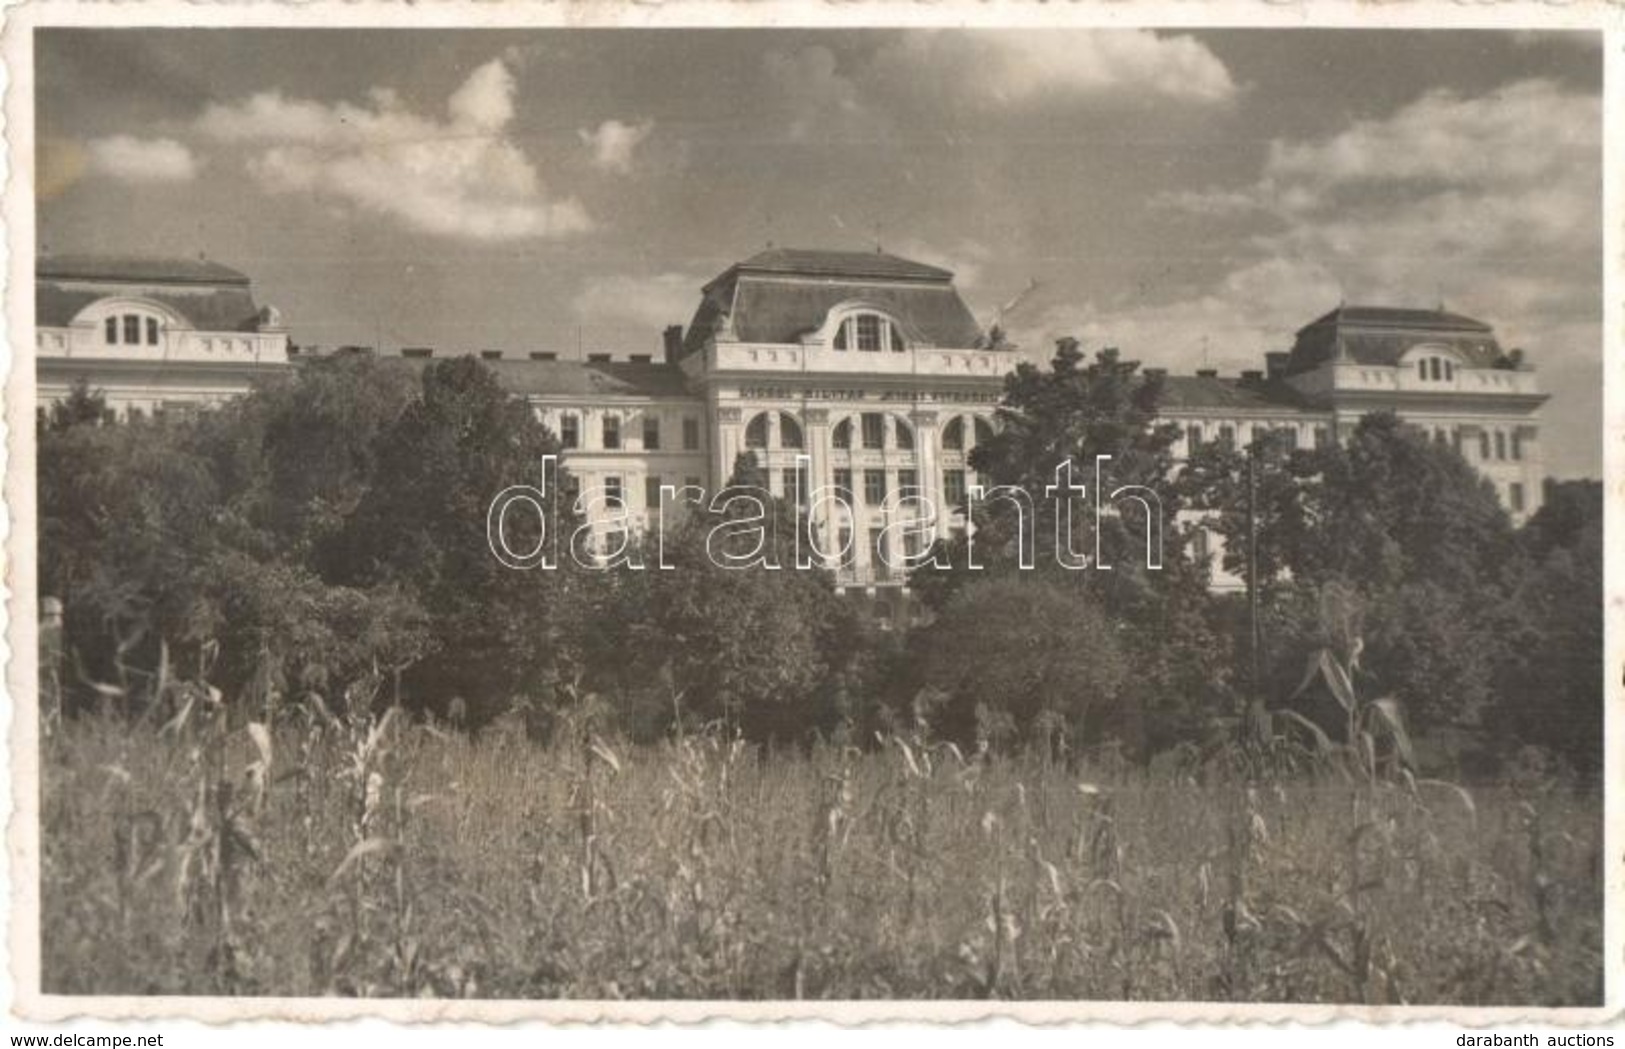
(458, 176)
(1007, 68)
(614, 143)
(642, 303)
(967, 258)
(132, 159)
(818, 99)
(1491, 204)
(986, 70)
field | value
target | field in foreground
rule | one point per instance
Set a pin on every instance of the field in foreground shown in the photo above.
(403, 861)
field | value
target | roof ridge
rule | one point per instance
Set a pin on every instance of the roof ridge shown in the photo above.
(113, 267)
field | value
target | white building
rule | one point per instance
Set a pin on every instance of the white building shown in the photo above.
(1439, 371)
(152, 335)
(854, 372)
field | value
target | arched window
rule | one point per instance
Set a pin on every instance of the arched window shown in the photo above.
(756, 432)
(984, 431)
(953, 435)
(869, 332)
(1435, 369)
(131, 329)
(905, 435)
(789, 432)
(841, 437)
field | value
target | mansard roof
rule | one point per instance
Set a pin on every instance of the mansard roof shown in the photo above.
(876, 265)
(592, 378)
(585, 379)
(1396, 317)
(1227, 394)
(1381, 335)
(136, 269)
(782, 294)
(211, 297)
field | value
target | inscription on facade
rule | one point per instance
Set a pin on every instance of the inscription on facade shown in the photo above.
(774, 393)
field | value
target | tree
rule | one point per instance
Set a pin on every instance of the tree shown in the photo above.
(1024, 659)
(1553, 658)
(163, 540)
(1407, 523)
(420, 526)
(745, 644)
(1073, 413)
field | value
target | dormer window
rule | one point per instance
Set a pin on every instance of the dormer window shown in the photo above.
(128, 329)
(869, 333)
(1435, 369)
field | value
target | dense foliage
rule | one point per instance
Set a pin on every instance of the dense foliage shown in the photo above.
(322, 542)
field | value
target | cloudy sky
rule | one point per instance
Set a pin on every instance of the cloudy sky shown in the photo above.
(1188, 197)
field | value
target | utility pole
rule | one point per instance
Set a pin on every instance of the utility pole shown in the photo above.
(1255, 701)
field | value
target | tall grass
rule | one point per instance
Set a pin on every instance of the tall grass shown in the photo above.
(391, 858)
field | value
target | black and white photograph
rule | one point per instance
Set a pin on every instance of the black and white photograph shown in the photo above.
(1098, 516)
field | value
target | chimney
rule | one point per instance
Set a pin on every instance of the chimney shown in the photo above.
(1156, 374)
(674, 342)
(1207, 373)
(1252, 378)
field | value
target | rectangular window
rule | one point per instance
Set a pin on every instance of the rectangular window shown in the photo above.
(651, 492)
(874, 487)
(1227, 435)
(651, 433)
(868, 325)
(1322, 437)
(874, 430)
(1517, 445)
(112, 331)
(612, 432)
(844, 554)
(1483, 444)
(953, 488)
(908, 482)
(691, 434)
(152, 331)
(613, 495)
(794, 479)
(1290, 435)
(877, 554)
(570, 430)
(1500, 445)
(1455, 439)
(1193, 439)
(911, 545)
(1422, 369)
(132, 329)
(1515, 495)
(843, 486)
(1449, 371)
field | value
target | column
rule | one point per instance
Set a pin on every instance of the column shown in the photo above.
(729, 442)
(926, 463)
(815, 433)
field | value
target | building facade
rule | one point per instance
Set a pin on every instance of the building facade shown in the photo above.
(859, 381)
(1439, 371)
(152, 335)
